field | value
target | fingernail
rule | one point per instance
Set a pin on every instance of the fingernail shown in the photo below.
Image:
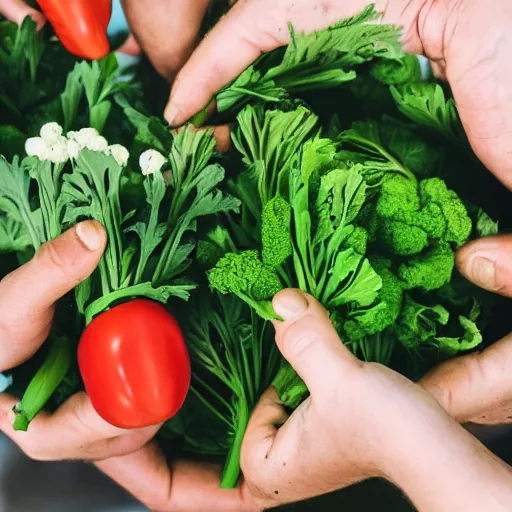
(290, 304)
(171, 114)
(90, 234)
(483, 272)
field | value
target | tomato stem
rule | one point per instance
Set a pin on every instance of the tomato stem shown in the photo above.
(231, 472)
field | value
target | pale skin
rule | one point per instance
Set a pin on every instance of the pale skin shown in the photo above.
(468, 44)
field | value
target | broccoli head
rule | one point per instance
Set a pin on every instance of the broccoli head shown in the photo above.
(411, 216)
(402, 238)
(429, 270)
(357, 239)
(275, 232)
(398, 198)
(244, 275)
(458, 222)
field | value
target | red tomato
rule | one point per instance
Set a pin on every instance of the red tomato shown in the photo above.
(81, 25)
(135, 364)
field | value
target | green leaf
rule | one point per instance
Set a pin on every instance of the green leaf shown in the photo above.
(425, 104)
(364, 137)
(353, 280)
(485, 226)
(98, 115)
(71, 96)
(319, 60)
(470, 339)
(151, 132)
(14, 198)
(13, 236)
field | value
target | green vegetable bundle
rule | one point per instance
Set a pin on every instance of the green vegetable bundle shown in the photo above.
(352, 194)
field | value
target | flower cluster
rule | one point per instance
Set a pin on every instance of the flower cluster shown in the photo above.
(57, 148)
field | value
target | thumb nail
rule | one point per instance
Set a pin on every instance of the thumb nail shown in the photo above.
(90, 233)
(483, 272)
(172, 113)
(290, 304)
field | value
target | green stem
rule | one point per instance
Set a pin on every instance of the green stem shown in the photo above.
(43, 385)
(231, 472)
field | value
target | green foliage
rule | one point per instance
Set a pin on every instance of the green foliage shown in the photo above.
(320, 60)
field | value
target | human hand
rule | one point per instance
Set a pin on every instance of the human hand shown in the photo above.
(27, 305)
(167, 30)
(477, 388)
(466, 42)
(17, 10)
(361, 420)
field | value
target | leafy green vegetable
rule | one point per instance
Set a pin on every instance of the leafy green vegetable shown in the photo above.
(353, 195)
(320, 60)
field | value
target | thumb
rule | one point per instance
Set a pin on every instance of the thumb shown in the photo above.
(475, 387)
(488, 263)
(56, 269)
(17, 10)
(28, 295)
(308, 340)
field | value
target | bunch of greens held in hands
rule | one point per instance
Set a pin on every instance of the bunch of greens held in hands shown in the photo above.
(362, 207)
(79, 176)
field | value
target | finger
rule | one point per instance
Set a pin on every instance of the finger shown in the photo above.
(130, 47)
(477, 386)
(255, 26)
(268, 415)
(17, 10)
(75, 431)
(479, 77)
(488, 263)
(308, 340)
(167, 30)
(186, 487)
(28, 295)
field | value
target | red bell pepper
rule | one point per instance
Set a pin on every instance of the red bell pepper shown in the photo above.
(81, 25)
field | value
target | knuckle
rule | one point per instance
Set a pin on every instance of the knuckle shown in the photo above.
(60, 260)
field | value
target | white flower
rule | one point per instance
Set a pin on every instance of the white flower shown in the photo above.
(84, 136)
(71, 135)
(59, 151)
(97, 143)
(51, 132)
(120, 154)
(73, 149)
(36, 146)
(151, 161)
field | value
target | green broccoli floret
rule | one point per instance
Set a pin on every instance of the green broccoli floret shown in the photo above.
(244, 275)
(458, 222)
(429, 270)
(398, 198)
(402, 238)
(411, 217)
(275, 232)
(431, 220)
(208, 254)
(358, 240)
